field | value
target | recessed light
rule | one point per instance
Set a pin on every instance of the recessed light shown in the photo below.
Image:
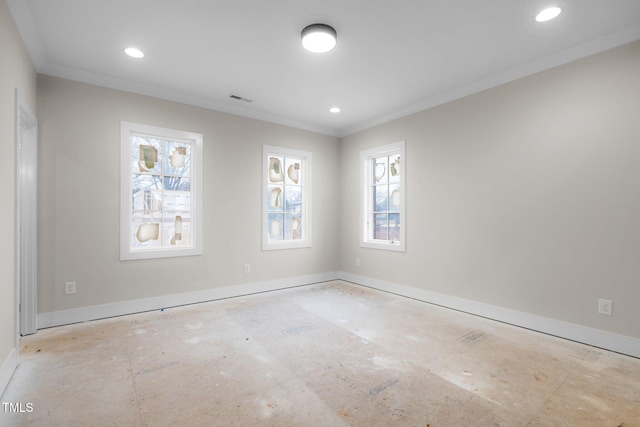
(318, 38)
(334, 110)
(134, 52)
(548, 14)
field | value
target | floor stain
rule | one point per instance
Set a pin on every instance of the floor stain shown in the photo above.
(472, 337)
(148, 370)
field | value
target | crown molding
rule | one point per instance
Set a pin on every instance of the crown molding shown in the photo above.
(610, 41)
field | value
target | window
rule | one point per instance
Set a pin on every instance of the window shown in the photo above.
(161, 192)
(382, 206)
(286, 212)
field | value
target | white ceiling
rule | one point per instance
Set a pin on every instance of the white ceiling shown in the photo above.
(393, 58)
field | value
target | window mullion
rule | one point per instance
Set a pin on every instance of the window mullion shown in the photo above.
(152, 158)
(382, 213)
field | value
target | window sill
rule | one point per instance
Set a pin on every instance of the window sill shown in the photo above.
(288, 244)
(384, 245)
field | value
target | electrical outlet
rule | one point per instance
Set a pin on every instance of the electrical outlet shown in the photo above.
(357, 262)
(605, 307)
(247, 268)
(69, 288)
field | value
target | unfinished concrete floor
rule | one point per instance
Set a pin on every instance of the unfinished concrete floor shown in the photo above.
(330, 354)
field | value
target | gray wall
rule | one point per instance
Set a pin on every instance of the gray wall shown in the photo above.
(79, 199)
(16, 71)
(526, 196)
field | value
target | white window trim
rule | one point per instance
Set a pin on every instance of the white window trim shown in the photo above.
(307, 222)
(366, 197)
(126, 252)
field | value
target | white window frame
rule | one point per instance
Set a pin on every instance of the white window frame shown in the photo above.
(366, 199)
(127, 252)
(305, 212)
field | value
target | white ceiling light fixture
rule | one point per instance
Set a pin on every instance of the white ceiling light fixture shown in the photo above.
(548, 14)
(319, 38)
(334, 110)
(134, 52)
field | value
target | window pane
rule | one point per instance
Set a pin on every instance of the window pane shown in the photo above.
(276, 226)
(176, 228)
(394, 198)
(178, 158)
(394, 168)
(381, 198)
(293, 168)
(293, 227)
(276, 169)
(147, 200)
(394, 227)
(140, 182)
(176, 201)
(146, 153)
(177, 183)
(380, 227)
(146, 230)
(380, 174)
(275, 198)
(293, 199)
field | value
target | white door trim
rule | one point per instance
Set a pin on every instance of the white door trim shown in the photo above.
(26, 218)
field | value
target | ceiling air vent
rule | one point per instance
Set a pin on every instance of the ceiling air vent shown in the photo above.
(239, 98)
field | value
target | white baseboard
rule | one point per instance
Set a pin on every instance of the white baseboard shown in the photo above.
(591, 336)
(8, 368)
(571, 331)
(76, 315)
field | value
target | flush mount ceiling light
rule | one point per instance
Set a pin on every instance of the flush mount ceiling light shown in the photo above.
(334, 110)
(548, 14)
(318, 38)
(134, 52)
